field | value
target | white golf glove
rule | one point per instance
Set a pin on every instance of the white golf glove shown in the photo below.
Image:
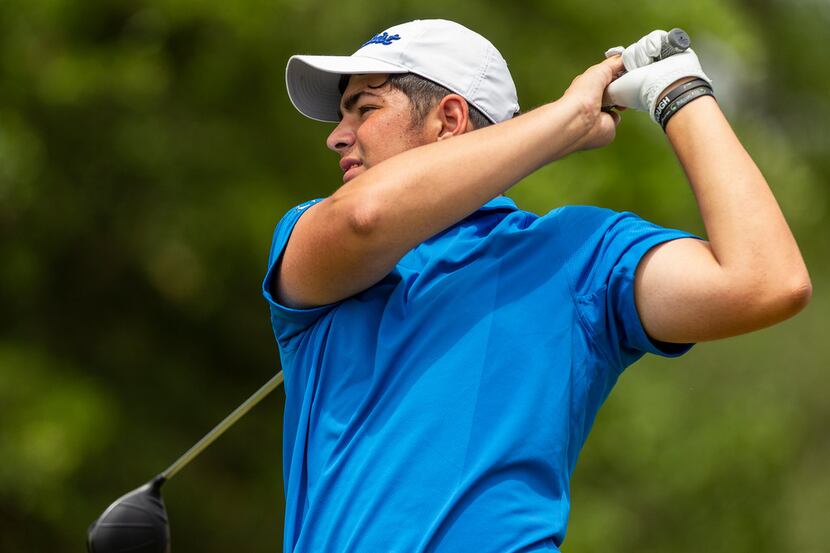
(645, 79)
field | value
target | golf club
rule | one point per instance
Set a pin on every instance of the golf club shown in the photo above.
(137, 521)
(674, 42)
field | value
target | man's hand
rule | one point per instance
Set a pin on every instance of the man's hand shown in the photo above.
(586, 92)
(646, 81)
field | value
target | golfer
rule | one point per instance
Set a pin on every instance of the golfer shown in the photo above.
(446, 352)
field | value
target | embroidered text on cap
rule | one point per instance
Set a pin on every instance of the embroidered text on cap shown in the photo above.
(382, 38)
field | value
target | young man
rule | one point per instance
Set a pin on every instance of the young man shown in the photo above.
(445, 353)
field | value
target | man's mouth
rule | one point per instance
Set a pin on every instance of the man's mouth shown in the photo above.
(348, 163)
(350, 167)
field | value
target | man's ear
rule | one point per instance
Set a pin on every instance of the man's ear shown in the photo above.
(453, 116)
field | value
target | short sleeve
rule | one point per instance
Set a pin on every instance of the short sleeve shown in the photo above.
(607, 247)
(287, 322)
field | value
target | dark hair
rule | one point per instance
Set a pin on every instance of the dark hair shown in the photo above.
(424, 95)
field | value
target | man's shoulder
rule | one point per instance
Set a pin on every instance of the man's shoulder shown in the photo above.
(576, 214)
(569, 222)
(589, 218)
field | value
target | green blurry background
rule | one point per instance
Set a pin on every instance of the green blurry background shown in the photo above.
(147, 148)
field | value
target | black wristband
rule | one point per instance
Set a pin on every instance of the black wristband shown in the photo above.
(673, 94)
(683, 100)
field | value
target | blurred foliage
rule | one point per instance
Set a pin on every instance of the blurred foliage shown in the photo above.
(147, 148)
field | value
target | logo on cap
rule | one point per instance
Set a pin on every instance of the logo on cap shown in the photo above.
(383, 38)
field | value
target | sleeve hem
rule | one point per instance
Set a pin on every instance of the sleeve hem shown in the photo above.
(295, 320)
(285, 312)
(635, 256)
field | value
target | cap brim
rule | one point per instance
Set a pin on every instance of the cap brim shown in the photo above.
(313, 81)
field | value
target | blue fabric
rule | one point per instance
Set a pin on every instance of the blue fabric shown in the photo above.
(443, 409)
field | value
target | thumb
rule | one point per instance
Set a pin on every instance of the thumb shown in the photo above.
(615, 64)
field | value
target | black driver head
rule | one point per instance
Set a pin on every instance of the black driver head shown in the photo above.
(135, 522)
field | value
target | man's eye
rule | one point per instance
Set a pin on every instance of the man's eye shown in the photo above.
(365, 109)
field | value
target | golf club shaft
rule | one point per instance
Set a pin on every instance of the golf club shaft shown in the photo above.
(237, 413)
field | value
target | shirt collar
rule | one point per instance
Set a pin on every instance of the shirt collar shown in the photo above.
(499, 202)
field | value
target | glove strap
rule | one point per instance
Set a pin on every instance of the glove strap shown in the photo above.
(674, 93)
(683, 99)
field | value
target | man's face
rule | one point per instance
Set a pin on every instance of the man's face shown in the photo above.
(376, 124)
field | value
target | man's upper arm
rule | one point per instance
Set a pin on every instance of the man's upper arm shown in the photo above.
(684, 295)
(326, 259)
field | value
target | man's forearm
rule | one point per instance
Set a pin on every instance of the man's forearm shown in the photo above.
(412, 196)
(747, 231)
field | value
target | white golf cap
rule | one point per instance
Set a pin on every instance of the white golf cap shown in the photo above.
(444, 52)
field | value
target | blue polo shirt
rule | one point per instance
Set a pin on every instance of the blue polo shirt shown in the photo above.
(443, 408)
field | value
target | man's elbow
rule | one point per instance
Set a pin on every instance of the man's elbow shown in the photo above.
(363, 220)
(790, 297)
(801, 294)
(357, 213)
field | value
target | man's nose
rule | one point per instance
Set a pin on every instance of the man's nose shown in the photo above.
(341, 138)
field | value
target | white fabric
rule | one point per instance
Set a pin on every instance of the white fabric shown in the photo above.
(442, 51)
(643, 51)
(645, 80)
